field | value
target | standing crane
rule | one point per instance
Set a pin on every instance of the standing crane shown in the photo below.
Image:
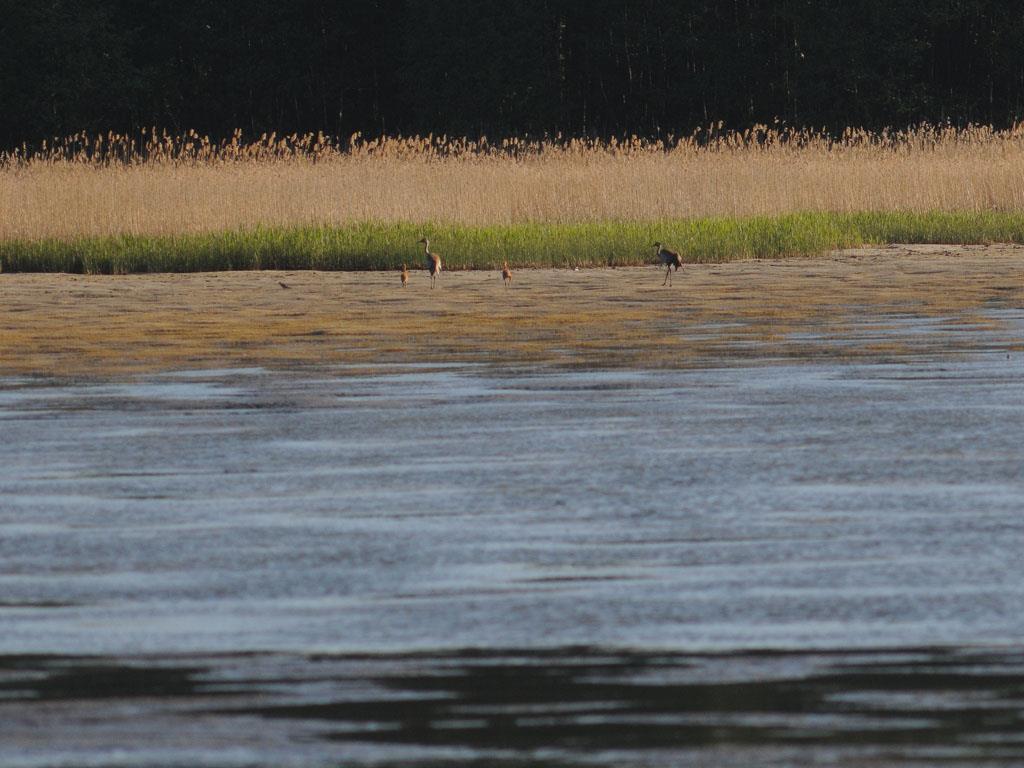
(433, 261)
(670, 259)
(506, 275)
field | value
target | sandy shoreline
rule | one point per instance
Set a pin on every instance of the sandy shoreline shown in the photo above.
(74, 326)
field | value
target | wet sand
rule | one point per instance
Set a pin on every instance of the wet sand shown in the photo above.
(847, 304)
(618, 548)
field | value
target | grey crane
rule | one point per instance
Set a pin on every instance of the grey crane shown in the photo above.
(433, 261)
(670, 259)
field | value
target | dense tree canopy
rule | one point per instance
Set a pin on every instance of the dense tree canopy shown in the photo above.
(501, 67)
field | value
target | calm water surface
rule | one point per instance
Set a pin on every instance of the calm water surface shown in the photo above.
(801, 564)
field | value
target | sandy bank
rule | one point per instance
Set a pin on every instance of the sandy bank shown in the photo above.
(845, 304)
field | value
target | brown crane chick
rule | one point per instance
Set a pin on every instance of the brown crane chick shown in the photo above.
(506, 275)
(405, 276)
(433, 261)
(670, 259)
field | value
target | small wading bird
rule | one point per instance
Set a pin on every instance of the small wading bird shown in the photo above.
(670, 259)
(506, 275)
(433, 261)
(405, 275)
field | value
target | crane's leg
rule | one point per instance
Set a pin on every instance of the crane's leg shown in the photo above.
(668, 275)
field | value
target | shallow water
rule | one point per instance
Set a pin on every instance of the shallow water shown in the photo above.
(810, 563)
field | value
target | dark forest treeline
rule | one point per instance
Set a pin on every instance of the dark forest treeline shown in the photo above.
(500, 67)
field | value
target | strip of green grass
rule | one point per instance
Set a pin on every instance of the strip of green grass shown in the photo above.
(388, 246)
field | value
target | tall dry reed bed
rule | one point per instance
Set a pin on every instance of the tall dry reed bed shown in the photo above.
(117, 203)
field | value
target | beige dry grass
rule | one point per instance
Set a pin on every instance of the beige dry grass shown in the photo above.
(845, 305)
(186, 184)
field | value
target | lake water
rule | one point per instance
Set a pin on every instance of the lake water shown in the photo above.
(810, 563)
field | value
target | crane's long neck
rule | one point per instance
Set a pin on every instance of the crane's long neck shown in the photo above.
(426, 246)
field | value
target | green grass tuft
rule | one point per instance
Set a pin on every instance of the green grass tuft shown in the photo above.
(387, 246)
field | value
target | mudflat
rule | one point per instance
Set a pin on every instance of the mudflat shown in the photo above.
(846, 304)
